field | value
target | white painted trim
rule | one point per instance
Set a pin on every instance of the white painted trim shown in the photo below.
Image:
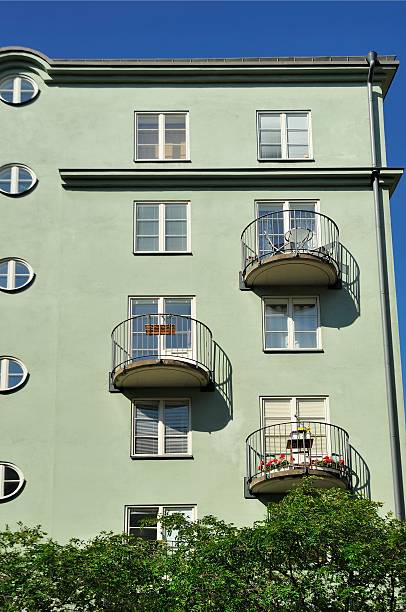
(161, 227)
(284, 141)
(161, 430)
(161, 133)
(293, 402)
(17, 88)
(290, 300)
(15, 170)
(11, 266)
(3, 465)
(4, 372)
(161, 509)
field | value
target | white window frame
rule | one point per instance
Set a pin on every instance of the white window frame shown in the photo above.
(293, 399)
(3, 465)
(161, 223)
(284, 136)
(160, 309)
(14, 179)
(161, 428)
(162, 509)
(11, 267)
(290, 300)
(17, 88)
(161, 136)
(4, 370)
(288, 205)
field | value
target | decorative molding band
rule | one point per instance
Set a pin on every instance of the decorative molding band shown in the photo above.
(226, 178)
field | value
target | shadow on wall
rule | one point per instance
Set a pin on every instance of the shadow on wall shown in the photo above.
(344, 305)
(360, 475)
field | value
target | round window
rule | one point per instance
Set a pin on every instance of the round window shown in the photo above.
(13, 373)
(11, 480)
(14, 274)
(17, 89)
(16, 179)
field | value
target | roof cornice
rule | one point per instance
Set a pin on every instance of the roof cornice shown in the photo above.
(225, 178)
(316, 69)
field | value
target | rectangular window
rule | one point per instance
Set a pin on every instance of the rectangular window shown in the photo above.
(162, 327)
(137, 518)
(284, 135)
(287, 225)
(161, 136)
(291, 324)
(161, 427)
(282, 416)
(161, 227)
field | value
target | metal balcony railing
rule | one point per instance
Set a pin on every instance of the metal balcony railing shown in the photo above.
(159, 337)
(291, 231)
(297, 445)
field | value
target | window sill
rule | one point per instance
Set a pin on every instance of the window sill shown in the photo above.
(155, 253)
(155, 457)
(162, 161)
(293, 160)
(315, 350)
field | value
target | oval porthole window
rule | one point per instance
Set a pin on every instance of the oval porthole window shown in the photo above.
(11, 480)
(16, 179)
(17, 89)
(14, 274)
(13, 373)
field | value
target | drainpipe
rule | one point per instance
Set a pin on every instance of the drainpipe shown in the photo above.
(390, 379)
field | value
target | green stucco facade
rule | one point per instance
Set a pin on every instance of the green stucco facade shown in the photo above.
(67, 433)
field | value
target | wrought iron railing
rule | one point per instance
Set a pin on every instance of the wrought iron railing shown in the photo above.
(274, 449)
(162, 336)
(292, 231)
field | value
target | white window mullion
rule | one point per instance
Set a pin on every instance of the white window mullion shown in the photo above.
(161, 429)
(290, 325)
(2, 471)
(284, 139)
(286, 214)
(4, 374)
(11, 274)
(161, 136)
(17, 90)
(162, 219)
(14, 179)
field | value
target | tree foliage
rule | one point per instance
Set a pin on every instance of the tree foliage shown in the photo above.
(315, 551)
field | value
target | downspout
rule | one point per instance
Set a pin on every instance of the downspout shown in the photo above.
(390, 378)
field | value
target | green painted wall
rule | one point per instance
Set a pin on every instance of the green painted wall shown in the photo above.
(65, 431)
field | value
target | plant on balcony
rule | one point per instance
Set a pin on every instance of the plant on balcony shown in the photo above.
(329, 462)
(276, 463)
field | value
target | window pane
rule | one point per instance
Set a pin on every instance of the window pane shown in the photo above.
(144, 306)
(298, 151)
(270, 152)
(176, 417)
(4, 267)
(10, 474)
(137, 519)
(276, 340)
(276, 326)
(177, 243)
(24, 176)
(175, 228)
(10, 487)
(7, 95)
(178, 306)
(20, 268)
(175, 151)
(7, 85)
(146, 446)
(147, 137)
(147, 244)
(297, 122)
(270, 137)
(177, 122)
(270, 122)
(147, 228)
(14, 367)
(305, 340)
(147, 152)
(5, 180)
(176, 137)
(175, 211)
(297, 138)
(147, 122)
(148, 211)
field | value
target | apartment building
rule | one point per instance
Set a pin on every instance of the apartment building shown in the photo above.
(194, 282)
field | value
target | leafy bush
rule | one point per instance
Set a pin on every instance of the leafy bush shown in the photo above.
(317, 550)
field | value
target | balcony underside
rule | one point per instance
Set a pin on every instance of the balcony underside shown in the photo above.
(291, 269)
(160, 373)
(282, 481)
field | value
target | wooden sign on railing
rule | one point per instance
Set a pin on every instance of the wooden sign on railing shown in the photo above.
(156, 329)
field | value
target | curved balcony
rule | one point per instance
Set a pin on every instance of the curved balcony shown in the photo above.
(161, 350)
(293, 247)
(280, 455)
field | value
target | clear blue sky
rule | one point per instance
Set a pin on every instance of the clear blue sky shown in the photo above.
(227, 29)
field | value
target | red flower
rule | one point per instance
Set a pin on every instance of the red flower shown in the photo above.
(292, 459)
(341, 462)
(282, 456)
(327, 459)
(261, 465)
